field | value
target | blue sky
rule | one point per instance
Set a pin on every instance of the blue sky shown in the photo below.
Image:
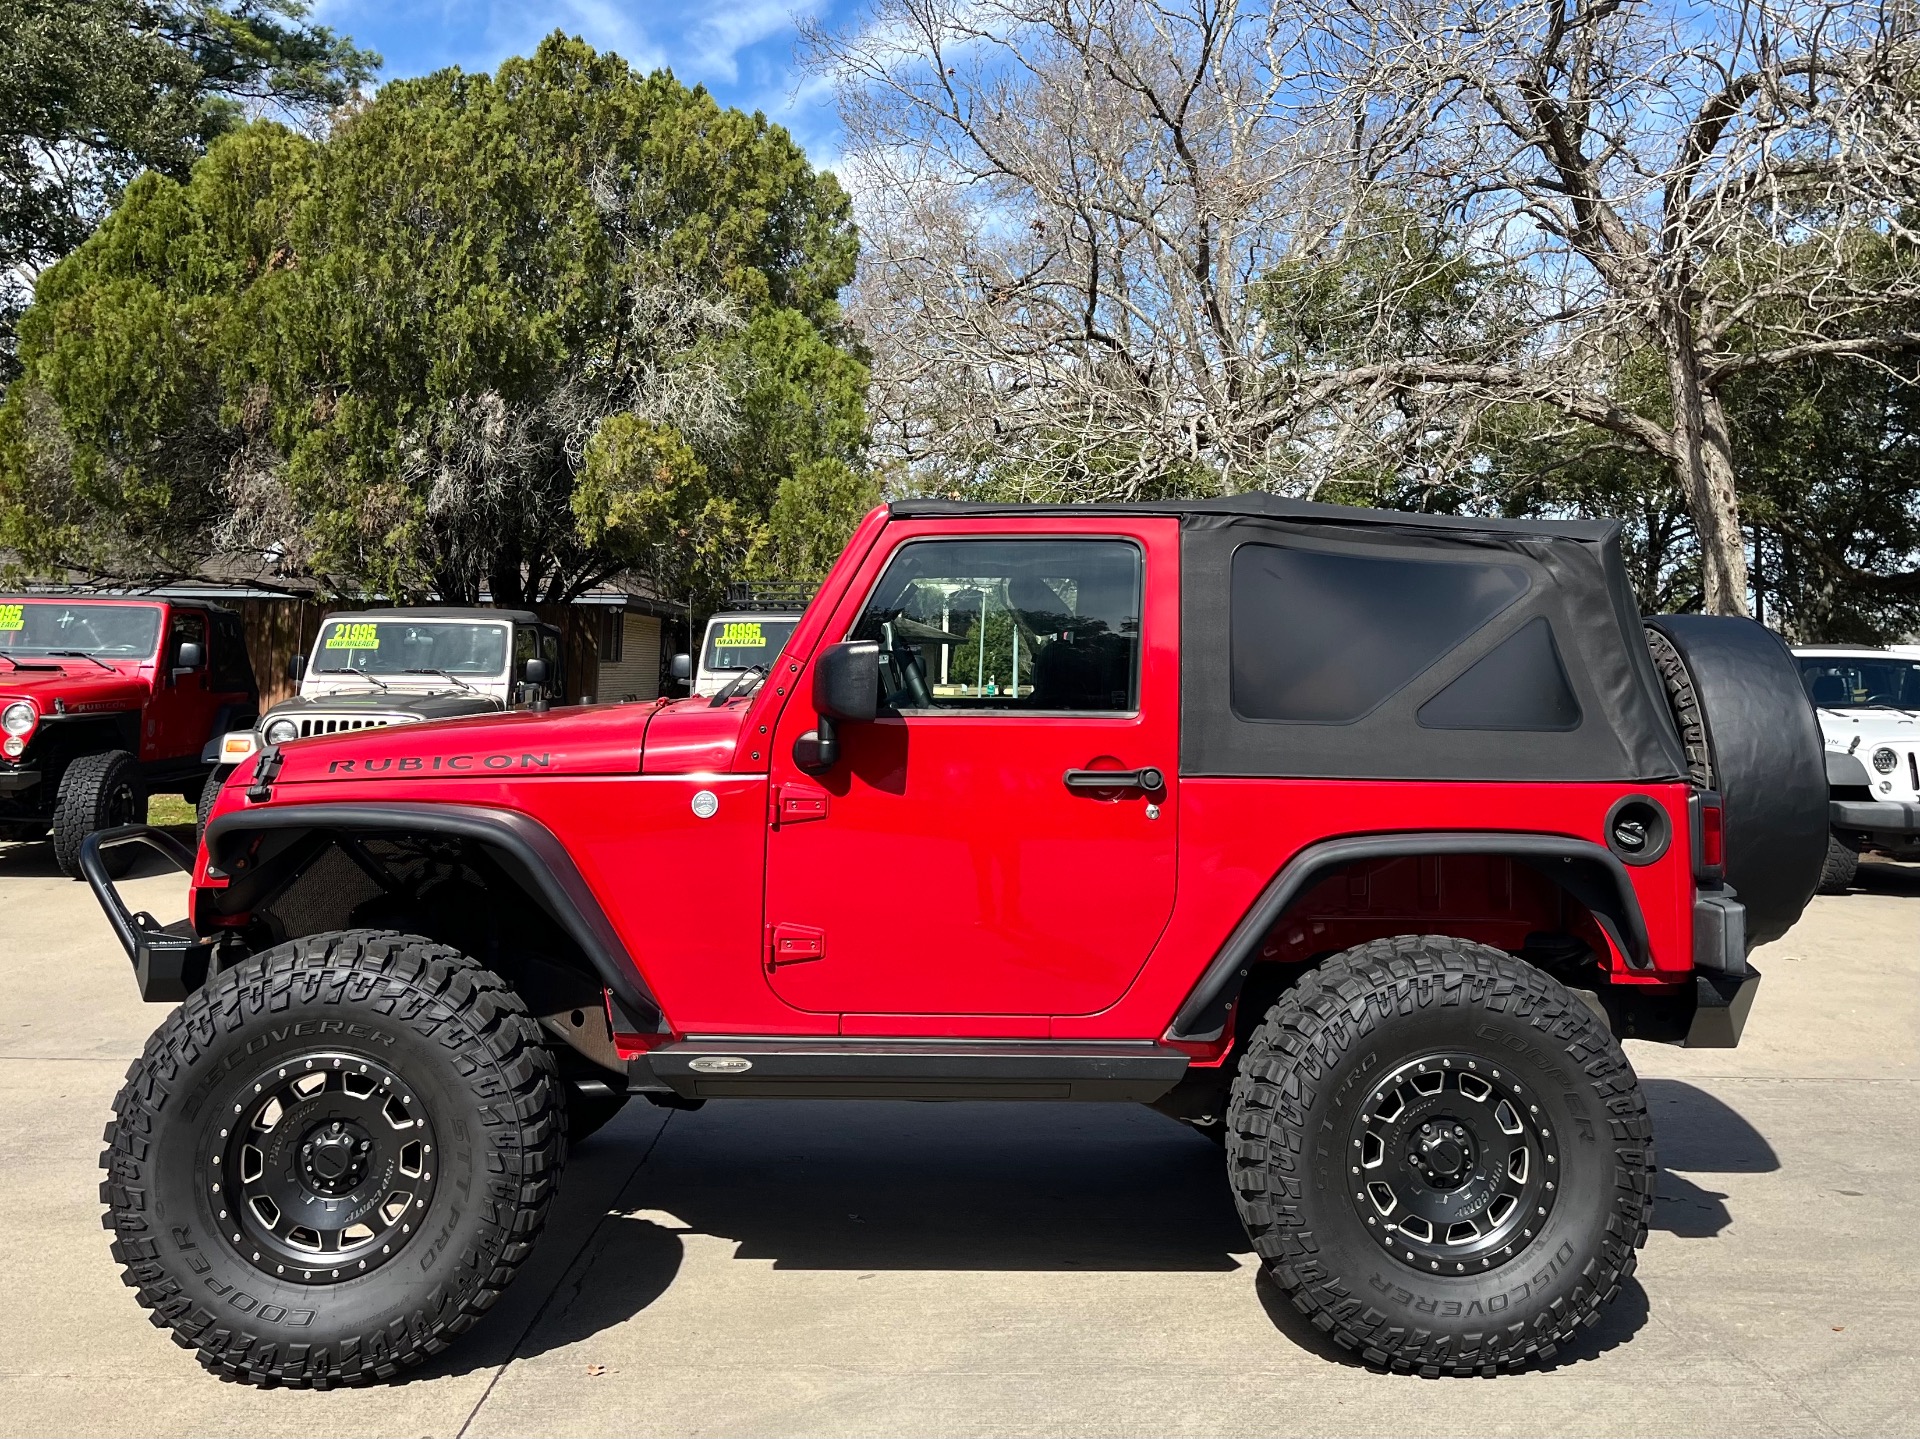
(741, 50)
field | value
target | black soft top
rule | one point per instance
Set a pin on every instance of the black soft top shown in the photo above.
(1331, 642)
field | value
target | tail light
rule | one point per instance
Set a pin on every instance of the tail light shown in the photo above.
(1710, 837)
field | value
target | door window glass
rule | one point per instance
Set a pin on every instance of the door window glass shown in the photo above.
(1008, 626)
(189, 628)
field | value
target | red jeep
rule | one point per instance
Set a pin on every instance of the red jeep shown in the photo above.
(103, 702)
(1355, 840)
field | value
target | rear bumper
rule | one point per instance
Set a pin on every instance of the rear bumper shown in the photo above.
(169, 961)
(1889, 816)
(1720, 1005)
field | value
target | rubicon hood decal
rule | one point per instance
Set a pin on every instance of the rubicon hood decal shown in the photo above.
(439, 763)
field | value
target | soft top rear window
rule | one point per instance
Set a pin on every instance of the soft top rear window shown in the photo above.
(1325, 637)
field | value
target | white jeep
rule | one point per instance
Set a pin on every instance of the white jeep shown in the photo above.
(1868, 704)
(373, 668)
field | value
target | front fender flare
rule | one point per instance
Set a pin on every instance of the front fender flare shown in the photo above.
(1585, 870)
(555, 880)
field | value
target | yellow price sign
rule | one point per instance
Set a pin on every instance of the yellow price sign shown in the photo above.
(354, 637)
(742, 635)
(13, 617)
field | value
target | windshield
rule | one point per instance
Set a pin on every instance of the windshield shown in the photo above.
(399, 647)
(45, 627)
(1847, 681)
(738, 644)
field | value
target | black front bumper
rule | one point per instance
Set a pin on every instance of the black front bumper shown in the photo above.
(1875, 816)
(169, 961)
(14, 780)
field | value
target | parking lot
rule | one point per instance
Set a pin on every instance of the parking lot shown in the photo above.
(880, 1268)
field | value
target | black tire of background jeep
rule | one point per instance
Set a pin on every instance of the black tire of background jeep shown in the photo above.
(1751, 736)
(472, 1151)
(97, 791)
(1308, 1145)
(205, 800)
(1843, 863)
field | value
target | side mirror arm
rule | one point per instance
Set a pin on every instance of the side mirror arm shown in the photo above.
(819, 748)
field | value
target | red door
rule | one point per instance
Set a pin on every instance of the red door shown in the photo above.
(946, 865)
(180, 719)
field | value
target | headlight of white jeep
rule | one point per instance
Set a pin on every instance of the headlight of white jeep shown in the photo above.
(18, 717)
(1885, 759)
(281, 730)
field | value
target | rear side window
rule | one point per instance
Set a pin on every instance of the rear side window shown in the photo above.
(1319, 637)
(231, 672)
(1521, 684)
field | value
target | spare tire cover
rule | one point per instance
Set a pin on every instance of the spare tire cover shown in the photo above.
(1768, 763)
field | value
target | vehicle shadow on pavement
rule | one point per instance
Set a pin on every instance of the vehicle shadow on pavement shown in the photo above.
(34, 859)
(1886, 877)
(1697, 1133)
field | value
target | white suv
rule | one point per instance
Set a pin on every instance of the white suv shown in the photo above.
(1868, 703)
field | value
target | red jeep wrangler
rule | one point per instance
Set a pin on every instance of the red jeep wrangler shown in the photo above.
(1356, 840)
(103, 702)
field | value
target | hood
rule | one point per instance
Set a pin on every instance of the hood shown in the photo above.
(428, 704)
(1842, 727)
(79, 686)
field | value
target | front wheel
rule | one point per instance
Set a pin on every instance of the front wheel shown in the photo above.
(208, 797)
(1442, 1156)
(1843, 864)
(97, 791)
(329, 1161)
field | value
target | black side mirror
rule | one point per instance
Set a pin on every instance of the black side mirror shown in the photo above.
(846, 681)
(680, 668)
(297, 668)
(846, 686)
(535, 672)
(187, 658)
(536, 677)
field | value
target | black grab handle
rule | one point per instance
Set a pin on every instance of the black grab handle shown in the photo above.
(1149, 779)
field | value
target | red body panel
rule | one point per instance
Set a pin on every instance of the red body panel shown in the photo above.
(940, 880)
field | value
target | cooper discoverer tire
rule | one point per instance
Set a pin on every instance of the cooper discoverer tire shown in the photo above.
(1751, 736)
(1426, 1077)
(330, 1161)
(97, 791)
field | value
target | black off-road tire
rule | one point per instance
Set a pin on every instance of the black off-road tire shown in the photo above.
(473, 1073)
(1307, 1092)
(1843, 864)
(97, 791)
(205, 800)
(1684, 702)
(589, 1113)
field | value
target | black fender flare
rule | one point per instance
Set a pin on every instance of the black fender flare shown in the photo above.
(555, 880)
(1587, 871)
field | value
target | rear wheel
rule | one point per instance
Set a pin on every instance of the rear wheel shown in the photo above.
(1442, 1156)
(329, 1162)
(97, 791)
(1843, 864)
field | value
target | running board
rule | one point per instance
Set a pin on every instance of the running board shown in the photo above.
(712, 1067)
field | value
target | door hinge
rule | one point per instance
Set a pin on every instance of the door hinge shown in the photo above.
(797, 803)
(794, 944)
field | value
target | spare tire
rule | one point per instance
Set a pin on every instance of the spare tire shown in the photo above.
(1750, 734)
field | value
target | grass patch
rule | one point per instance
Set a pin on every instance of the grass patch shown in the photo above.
(166, 811)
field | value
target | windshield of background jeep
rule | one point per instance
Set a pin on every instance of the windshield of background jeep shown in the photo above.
(401, 647)
(740, 644)
(47, 627)
(1847, 681)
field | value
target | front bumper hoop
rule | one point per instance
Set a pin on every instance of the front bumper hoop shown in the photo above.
(169, 961)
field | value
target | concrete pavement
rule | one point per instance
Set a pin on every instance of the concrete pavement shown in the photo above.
(880, 1268)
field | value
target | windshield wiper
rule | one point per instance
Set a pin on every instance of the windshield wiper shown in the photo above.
(755, 673)
(443, 675)
(371, 679)
(82, 655)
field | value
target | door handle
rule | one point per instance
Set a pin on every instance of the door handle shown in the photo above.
(1149, 779)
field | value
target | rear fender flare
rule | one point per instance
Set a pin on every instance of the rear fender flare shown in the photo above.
(557, 883)
(1585, 870)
